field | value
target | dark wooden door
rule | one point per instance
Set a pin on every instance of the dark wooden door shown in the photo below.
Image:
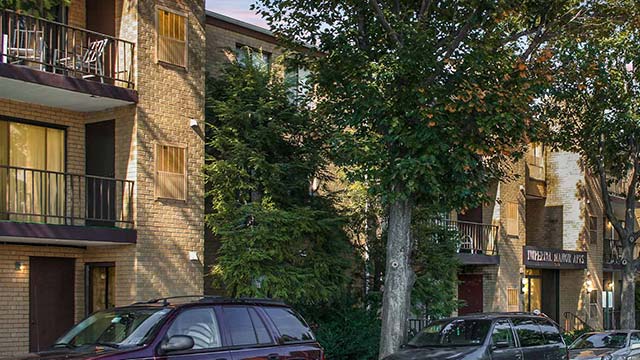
(100, 163)
(101, 15)
(51, 300)
(550, 292)
(470, 291)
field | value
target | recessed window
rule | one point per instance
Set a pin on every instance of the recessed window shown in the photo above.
(171, 175)
(593, 230)
(247, 55)
(512, 219)
(172, 37)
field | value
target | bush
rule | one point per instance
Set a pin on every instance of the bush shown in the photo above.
(347, 330)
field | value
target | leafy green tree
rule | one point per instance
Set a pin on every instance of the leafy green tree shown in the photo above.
(40, 8)
(593, 110)
(279, 238)
(429, 99)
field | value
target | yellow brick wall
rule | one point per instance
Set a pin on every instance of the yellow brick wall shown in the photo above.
(169, 97)
(77, 13)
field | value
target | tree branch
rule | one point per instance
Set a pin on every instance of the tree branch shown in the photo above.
(424, 9)
(630, 203)
(462, 33)
(383, 20)
(606, 198)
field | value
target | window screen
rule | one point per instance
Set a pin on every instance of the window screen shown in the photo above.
(170, 172)
(172, 38)
(289, 324)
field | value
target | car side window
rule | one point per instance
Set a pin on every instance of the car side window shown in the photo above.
(550, 332)
(201, 325)
(634, 339)
(289, 324)
(245, 327)
(502, 333)
(528, 332)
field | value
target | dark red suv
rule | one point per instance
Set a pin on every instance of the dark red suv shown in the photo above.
(207, 328)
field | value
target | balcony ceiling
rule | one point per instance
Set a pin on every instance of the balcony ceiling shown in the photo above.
(54, 90)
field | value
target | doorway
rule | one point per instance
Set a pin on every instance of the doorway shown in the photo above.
(100, 165)
(541, 291)
(51, 300)
(99, 286)
(471, 293)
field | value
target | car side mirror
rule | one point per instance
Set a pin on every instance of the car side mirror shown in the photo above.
(176, 343)
(501, 345)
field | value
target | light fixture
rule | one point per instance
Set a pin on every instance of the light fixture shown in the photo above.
(19, 266)
(589, 285)
(610, 286)
(193, 123)
(193, 256)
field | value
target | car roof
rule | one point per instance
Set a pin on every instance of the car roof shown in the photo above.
(190, 300)
(499, 315)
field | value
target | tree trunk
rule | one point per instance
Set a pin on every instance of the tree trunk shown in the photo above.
(628, 313)
(399, 278)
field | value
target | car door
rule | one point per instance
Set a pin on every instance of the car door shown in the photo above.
(554, 345)
(503, 343)
(530, 338)
(247, 335)
(634, 346)
(201, 324)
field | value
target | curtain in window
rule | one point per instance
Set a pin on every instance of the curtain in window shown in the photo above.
(33, 192)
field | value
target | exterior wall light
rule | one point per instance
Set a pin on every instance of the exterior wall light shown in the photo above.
(589, 285)
(19, 266)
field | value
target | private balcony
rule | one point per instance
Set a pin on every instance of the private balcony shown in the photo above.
(59, 208)
(477, 242)
(58, 65)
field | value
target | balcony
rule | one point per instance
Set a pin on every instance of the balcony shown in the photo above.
(477, 242)
(57, 208)
(58, 65)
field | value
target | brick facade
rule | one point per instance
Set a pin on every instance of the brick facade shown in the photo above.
(167, 230)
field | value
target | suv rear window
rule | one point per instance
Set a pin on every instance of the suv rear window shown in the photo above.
(528, 332)
(289, 324)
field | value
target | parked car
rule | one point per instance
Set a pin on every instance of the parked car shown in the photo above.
(496, 336)
(207, 328)
(607, 345)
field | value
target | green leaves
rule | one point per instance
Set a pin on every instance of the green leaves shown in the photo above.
(277, 238)
(40, 8)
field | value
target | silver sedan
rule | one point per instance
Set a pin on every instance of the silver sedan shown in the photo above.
(608, 345)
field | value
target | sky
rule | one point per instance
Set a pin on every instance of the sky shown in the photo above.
(238, 9)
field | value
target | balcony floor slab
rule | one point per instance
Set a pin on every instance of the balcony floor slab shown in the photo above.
(48, 234)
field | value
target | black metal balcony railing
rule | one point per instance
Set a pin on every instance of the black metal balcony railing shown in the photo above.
(40, 196)
(612, 252)
(58, 48)
(475, 238)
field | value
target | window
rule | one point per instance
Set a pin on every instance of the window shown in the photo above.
(634, 339)
(297, 81)
(289, 324)
(593, 229)
(512, 296)
(245, 326)
(256, 57)
(171, 175)
(201, 325)
(550, 332)
(172, 37)
(512, 219)
(529, 332)
(100, 285)
(536, 162)
(32, 186)
(502, 333)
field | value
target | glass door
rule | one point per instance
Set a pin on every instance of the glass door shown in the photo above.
(532, 290)
(100, 286)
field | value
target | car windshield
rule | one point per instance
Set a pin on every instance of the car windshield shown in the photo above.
(600, 341)
(114, 328)
(458, 332)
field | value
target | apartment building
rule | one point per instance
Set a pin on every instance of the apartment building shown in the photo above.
(101, 151)
(543, 243)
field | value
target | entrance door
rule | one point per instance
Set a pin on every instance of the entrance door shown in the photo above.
(99, 286)
(51, 300)
(470, 291)
(550, 286)
(100, 162)
(101, 15)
